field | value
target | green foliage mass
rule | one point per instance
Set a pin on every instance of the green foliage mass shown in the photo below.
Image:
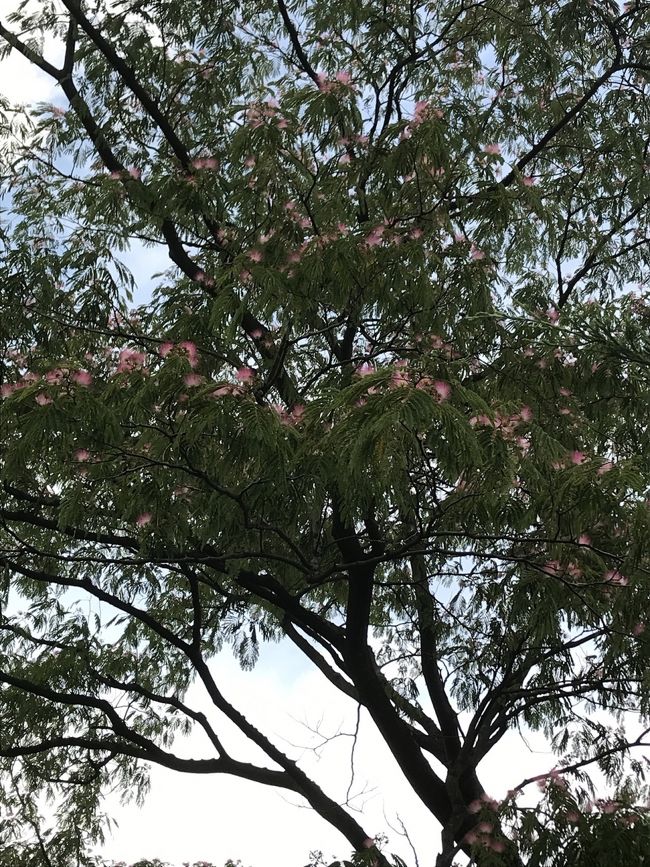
(386, 399)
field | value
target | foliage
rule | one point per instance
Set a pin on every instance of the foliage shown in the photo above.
(388, 402)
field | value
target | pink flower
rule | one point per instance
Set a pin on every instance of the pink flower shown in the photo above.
(526, 413)
(528, 181)
(165, 348)
(615, 577)
(493, 149)
(420, 112)
(81, 455)
(256, 333)
(205, 163)
(82, 377)
(135, 173)
(343, 77)
(192, 353)
(485, 827)
(143, 519)
(365, 369)
(298, 412)
(578, 457)
(476, 254)
(375, 236)
(524, 444)
(552, 315)
(442, 389)
(245, 374)
(7, 389)
(203, 278)
(475, 807)
(222, 391)
(191, 380)
(255, 255)
(399, 378)
(54, 377)
(324, 84)
(43, 400)
(638, 628)
(584, 539)
(497, 845)
(605, 468)
(130, 360)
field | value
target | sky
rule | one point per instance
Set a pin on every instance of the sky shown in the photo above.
(187, 818)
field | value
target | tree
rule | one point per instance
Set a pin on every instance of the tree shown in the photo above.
(388, 402)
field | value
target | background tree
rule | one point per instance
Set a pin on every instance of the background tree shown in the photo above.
(388, 403)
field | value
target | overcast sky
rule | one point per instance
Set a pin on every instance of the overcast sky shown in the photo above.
(188, 818)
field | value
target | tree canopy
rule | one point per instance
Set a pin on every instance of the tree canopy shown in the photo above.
(388, 402)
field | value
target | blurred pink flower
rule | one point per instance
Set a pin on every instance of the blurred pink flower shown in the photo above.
(130, 360)
(615, 577)
(143, 519)
(245, 374)
(82, 377)
(476, 254)
(190, 349)
(442, 389)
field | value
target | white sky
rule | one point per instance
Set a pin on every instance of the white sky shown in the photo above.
(189, 818)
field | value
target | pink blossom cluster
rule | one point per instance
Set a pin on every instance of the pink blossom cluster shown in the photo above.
(507, 426)
(259, 113)
(555, 568)
(423, 111)
(552, 778)
(205, 163)
(131, 360)
(292, 209)
(482, 836)
(58, 376)
(291, 417)
(615, 578)
(133, 172)
(186, 347)
(482, 833)
(342, 81)
(403, 376)
(227, 389)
